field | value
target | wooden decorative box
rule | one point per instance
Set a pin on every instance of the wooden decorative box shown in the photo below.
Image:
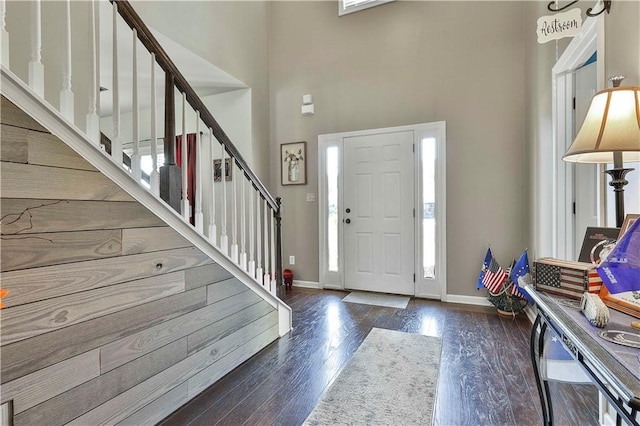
(566, 278)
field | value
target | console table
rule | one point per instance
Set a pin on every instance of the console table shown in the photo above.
(613, 368)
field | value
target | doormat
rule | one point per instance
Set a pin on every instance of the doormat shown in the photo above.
(377, 299)
(391, 379)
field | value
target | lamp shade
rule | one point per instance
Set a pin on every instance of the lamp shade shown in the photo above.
(612, 125)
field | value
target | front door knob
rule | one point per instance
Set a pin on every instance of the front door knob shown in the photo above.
(348, 220)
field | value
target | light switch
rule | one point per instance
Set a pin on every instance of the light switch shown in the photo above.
(292, 260)
(311, 197)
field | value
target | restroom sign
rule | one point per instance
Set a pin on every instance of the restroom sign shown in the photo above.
(560, 25)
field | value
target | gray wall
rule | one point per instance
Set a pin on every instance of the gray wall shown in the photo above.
(404, 63)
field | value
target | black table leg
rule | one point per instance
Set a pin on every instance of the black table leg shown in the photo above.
(537, 349)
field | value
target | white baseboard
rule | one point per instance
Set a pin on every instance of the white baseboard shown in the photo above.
(306, 284)
(466, 300)
(531, 312)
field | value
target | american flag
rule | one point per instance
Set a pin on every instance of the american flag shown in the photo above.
(569, 279)
(494, 277)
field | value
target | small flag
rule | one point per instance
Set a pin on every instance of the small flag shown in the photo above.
(521, 276)
(485, 266)
(494, 276)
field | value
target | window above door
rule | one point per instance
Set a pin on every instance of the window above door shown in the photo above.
(349, 6)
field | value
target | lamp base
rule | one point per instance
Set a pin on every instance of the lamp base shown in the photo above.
(618, 182)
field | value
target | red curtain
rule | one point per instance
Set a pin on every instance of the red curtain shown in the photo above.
(191, 170)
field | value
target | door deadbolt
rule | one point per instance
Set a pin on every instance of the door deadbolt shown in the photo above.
(348, 210)
(348, 221)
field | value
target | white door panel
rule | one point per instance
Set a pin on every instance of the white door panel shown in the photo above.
(378, 172)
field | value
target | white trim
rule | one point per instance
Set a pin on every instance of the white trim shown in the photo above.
(561, 180)
(466, 300)
(26, 99)
(5, 414)
(307, 284)
(335, 280)
(342, 10)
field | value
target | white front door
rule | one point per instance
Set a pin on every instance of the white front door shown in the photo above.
(379, 212)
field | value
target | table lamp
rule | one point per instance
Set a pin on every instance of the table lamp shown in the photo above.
(610, 133)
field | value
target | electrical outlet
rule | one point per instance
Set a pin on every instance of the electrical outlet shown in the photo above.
(292, 260)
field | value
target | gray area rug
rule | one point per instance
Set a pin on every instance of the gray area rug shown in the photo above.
(377, 299)
(391, 379)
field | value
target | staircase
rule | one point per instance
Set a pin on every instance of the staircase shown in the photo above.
(129, 290)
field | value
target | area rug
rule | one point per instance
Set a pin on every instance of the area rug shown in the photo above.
(391, 379)
(377, 299)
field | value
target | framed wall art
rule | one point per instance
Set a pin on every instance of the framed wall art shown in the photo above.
(293, 163)
(217, 170)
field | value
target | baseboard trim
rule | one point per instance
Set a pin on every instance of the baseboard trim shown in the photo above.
(466, 300)
(306, 284)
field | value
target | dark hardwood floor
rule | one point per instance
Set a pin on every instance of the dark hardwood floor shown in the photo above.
(485, 375)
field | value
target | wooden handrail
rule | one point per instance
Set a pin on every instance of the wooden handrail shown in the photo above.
(131, 17)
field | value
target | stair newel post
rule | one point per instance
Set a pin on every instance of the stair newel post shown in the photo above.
(234, 212)
(199, 217)
(5, 35)
(66, 94)
(154, 178)
(213, 232)
(224, 239)
(265, 229)
(92, 118)
(259, 277)
(274, 271)
(135, 113)
(36, 69)
(243, 223)
(252, 262)
(278, 216)
(184, 162)
(116, 140)
(170, 185)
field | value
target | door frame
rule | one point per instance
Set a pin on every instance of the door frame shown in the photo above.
(335, 280)
(560, 225)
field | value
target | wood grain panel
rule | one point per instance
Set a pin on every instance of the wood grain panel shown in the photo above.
(41, 351)
(22, 322)
(223, 289)
(35, 216)
(144, 240)
(14, 144)
(53, 281)
(220, 358)
(218, 330)
(14, 116)
(124, 350)
(46, 149)
(87, 396)
(160, 408)
(205, 275)
(32, 389)
(27, 181)
(34, 250)
(209, 376)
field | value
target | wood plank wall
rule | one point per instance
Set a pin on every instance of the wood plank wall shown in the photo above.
(111, 317)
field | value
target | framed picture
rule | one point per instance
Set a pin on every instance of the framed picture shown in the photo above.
(217, 170)
(628, 221)
(597, 242)
(293, 163)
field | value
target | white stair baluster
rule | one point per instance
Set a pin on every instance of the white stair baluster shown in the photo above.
(4, 35)
(265, 229)
(234, 214)
(66, 94)
(198, 214)
(135, 113)
(259, 276)
(92, 118)
(36, 69)
(116, 141)
(243, 224)
(224, 239)
(252, 262)
(186, 213)
(154, 178)
(213, 232)
(273, 252)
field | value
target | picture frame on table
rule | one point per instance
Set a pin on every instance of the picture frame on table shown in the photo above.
(628, 301)
(596, 243)
(293, 163)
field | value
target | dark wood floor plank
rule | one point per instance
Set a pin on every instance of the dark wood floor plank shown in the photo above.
(485, 377)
